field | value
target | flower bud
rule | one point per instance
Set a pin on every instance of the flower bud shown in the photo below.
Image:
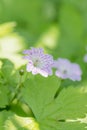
(21, 72)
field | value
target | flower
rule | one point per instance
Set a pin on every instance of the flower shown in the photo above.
(38, 62)
(85, 58)
(67, 70)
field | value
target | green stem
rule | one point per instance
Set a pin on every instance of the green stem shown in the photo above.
(17, 89)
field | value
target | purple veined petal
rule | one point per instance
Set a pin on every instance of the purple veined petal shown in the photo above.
(61, 75)
(48, 70)
(35, 71)
(26, 52)
(75, 78)
(39, 71)
(61, 63)
(43, 73)
(76, 69)
(36, 51)
(40, 51)
(26, 57)
(30, 66)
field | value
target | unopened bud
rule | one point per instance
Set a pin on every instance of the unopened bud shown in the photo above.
(21, 72)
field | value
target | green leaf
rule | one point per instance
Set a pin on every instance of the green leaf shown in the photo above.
(53, 112)
(21, 109)
(70, 104)
(10, 121)
(7, 68)
(39, 92)
(55, 125)
(8, 82)
(4, 99)
(4, 115)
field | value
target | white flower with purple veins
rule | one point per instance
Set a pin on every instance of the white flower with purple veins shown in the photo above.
(38, 62)
(67, 70)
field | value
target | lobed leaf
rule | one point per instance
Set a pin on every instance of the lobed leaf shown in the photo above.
(11, 121)
(53, 112)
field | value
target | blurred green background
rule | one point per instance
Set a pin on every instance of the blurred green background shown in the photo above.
(59, 26)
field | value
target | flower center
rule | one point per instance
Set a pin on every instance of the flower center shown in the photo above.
(65, 71)
(36, 63)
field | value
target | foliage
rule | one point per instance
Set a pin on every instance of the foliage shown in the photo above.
(29, 102)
